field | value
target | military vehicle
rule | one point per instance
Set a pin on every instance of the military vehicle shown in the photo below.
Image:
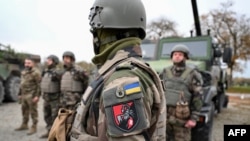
(11, 64)
(212, 61)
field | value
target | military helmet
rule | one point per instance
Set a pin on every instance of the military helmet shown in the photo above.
(118, 14)
(54, 58)
(69, 54)
(180, 48)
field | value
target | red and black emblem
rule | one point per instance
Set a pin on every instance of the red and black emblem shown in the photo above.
(125, 116)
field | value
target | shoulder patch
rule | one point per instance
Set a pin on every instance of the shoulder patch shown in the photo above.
(132, 88)
(125, 116)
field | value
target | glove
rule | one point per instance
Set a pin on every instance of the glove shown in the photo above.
(54, 76)
(190, 124)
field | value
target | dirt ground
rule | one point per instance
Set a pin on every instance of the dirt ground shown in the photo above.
(237, 112)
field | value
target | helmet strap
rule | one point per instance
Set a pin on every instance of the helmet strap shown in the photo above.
(96, 41)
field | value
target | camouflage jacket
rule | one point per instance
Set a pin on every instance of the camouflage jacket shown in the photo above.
(30, 82)
(194, 83)
(129, 105)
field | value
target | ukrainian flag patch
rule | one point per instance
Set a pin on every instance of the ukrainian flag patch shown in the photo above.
(132, 88)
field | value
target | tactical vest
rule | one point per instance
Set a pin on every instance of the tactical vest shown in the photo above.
(69, 84)
(79, 133)
(176, 85)
(49, 86)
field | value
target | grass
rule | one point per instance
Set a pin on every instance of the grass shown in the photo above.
(239, 89)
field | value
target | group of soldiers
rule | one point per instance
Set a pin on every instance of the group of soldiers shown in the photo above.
(59, 89)
(127, 99)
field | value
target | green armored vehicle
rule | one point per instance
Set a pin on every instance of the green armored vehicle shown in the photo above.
(11, 64)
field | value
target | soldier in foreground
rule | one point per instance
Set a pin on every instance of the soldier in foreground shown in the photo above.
(126, 100)
(50, 86)
(29, 94)
(183, 95)
(73, 83)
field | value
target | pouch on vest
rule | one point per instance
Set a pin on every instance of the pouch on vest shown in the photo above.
(62, 125)
(182, 108)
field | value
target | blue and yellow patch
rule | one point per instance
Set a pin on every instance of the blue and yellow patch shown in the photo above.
(132, 88)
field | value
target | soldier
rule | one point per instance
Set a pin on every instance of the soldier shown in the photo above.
(73, 83)
(50, 86)
(29, 95)
(126, 100)
(183, 95)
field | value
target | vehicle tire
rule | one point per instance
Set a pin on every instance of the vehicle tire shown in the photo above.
(12, 87)
(221, 101)
(226, 101)
(203, 132)
(1, 92)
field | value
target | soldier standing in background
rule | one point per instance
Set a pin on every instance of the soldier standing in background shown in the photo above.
(73, 83)
(50, 87)
(183, 95)
(29, 94)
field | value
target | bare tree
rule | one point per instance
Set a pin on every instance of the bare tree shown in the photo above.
(161, 28)
(231, 29)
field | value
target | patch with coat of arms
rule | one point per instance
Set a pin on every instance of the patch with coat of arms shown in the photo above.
(125, 116)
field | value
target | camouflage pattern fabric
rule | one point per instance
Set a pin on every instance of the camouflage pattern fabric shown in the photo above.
(51, 101)
(29, 108)
(130, 103)
(69, 99)
(73, 79)
(51, 105)
(175, 127)
(30, 88)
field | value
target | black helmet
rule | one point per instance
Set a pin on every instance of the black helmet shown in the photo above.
(54, 59)
(118, 14)
(180, 48)
(69, 54)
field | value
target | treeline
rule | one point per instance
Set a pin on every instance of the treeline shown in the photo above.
(239, 81)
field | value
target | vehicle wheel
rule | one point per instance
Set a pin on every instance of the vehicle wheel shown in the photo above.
(1, 92)
(203, 132)
(226, 101)
(221, 101)
(12, 87)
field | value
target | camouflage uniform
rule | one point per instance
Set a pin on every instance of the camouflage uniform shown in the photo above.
(50, 86)
(125, 102)
(73, 84)
(180, 79)
(128, 105)
(30, 88)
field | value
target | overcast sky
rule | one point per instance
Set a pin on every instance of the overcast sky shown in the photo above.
(47, 27)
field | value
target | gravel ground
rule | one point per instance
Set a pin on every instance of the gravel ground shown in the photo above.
(11, 118)
(236, 113)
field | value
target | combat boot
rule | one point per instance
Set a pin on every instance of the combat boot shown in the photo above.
(45, 135)
(22, 127)
(32, 130)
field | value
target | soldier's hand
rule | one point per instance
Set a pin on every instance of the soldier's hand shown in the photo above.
(35, 99)
(190, 124)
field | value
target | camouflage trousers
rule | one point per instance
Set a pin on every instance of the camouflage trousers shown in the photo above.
(50, 108)
(69, 100)
(29, 108)
(175, 127)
